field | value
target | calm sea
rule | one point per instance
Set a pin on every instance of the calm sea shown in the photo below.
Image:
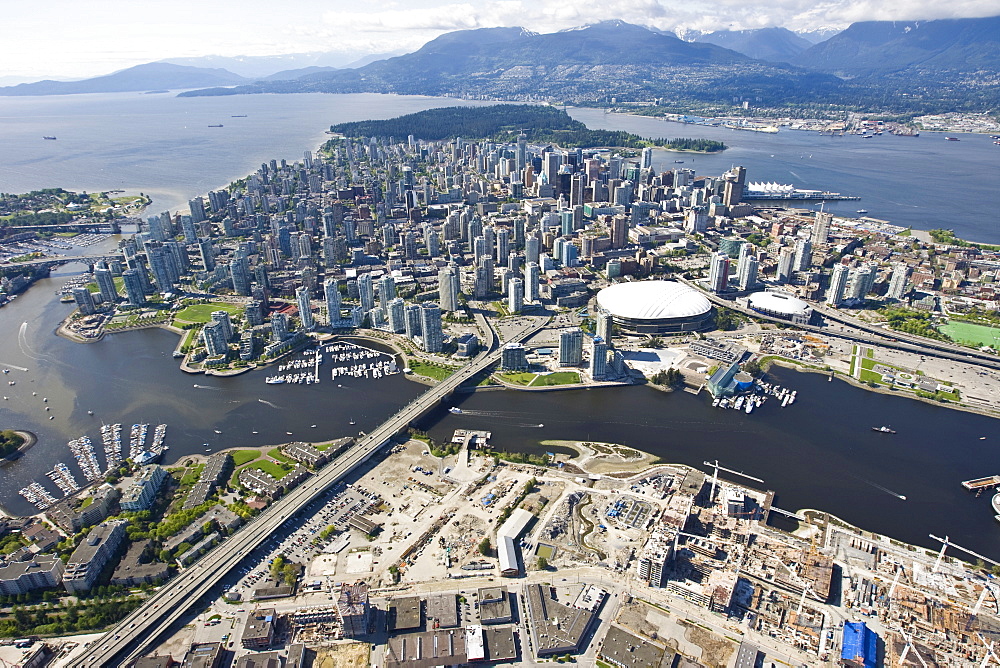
(922, 182)
(162, 145)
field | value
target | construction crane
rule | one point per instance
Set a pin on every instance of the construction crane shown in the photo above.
(990, 654)
(945, 544)
(907, 648)
(715, 477)
(806, 587)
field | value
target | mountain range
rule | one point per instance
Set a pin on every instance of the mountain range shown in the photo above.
(871, 47)
(774, 44)
(151, 76)
(873, 64)
(595, 62)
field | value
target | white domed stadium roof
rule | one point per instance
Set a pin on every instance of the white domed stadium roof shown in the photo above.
(653, 300)
(778, 302)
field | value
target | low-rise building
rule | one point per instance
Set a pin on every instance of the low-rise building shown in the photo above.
(724, 351)
(426, 650)
(74, 514)
(495, 606)
(203, 655)
(258, 631)
(137, 568)
(555, 628)
(19, 577)
(305, 453)
(87, 561)
(260, 660)
(442, 610)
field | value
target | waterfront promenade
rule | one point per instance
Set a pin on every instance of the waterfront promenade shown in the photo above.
(138, 632)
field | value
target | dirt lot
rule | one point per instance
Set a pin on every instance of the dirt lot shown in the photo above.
(343, 655)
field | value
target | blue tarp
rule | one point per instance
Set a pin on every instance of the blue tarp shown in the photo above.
(860, 645)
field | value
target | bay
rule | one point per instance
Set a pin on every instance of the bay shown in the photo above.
(921, 182)
(162, 145)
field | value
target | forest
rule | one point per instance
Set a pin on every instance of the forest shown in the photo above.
(504, 122)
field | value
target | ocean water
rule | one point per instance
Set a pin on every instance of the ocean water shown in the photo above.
(922, 182)
(162, 145)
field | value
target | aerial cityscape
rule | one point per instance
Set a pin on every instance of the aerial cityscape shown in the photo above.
(484, 379)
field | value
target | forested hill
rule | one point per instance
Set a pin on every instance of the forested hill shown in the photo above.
(504, 122)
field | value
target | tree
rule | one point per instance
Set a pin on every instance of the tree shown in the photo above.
(543, 564)
(485, 548)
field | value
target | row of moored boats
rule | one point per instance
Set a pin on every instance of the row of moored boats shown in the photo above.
(83, 450)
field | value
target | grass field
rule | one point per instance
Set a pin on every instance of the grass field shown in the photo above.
(557, 378)
(529, 379)
(273, 468)
(517, 378)
(981, 335)
(430, 370)
(203, 312)
(277, 455)
(241, 457)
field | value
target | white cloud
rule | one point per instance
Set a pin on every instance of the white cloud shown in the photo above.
(97, 36)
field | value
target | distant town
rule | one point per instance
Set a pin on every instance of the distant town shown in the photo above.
(470, 265)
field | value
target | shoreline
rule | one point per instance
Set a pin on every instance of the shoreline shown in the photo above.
(30, 439)
(881, 390)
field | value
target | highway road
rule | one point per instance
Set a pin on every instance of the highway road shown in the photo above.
(139, 631)
(865, 333)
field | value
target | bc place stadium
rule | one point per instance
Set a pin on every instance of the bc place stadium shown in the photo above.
(656, 307)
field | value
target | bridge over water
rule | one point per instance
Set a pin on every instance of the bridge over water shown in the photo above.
(139, 631)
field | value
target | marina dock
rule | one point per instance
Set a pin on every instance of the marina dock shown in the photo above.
(982, 483)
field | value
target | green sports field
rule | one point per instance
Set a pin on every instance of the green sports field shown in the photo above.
(966, 331)
(202, 313)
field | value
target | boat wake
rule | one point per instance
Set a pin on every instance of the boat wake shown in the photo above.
(901, 497)
(13, 366)
(206, 387)
(268, 403)
(22, 343)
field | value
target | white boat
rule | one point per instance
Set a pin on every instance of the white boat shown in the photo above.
(457, 411)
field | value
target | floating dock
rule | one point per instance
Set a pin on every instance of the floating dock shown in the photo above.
(982, 483)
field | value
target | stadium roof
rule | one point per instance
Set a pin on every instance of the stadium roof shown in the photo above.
(778, 302)
(653, 300)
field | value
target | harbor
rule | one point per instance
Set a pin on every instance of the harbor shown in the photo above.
(83, 451)
(349, 360)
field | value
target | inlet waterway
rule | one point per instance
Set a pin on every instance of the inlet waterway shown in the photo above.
(818, 453)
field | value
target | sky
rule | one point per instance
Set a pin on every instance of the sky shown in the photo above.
(81, 38)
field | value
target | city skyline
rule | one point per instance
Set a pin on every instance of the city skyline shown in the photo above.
(106, 36)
